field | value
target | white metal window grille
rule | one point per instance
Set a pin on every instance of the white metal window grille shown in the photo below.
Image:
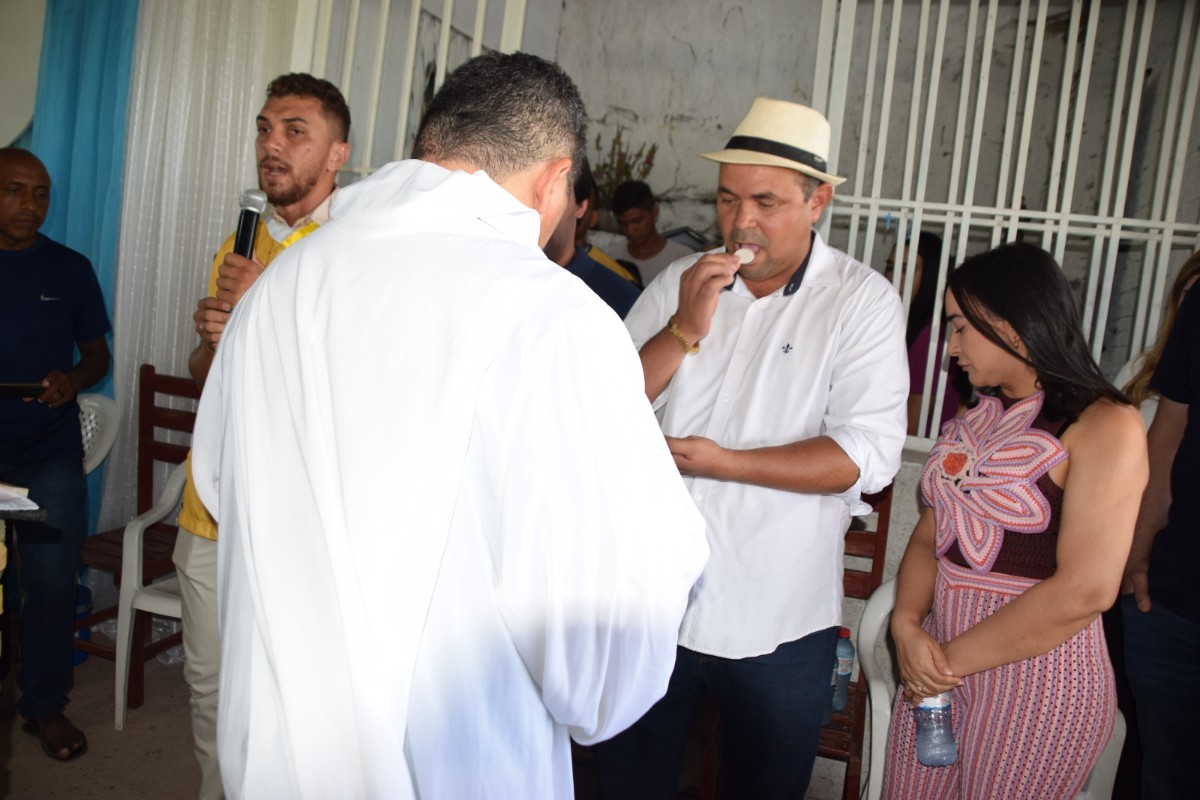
(1068, 124)
(389, 56)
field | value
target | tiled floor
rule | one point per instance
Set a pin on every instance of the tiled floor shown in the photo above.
(150, 760)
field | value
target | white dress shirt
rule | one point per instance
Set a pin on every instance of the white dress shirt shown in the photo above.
(451, 533)
(279, 229)
(828, 359)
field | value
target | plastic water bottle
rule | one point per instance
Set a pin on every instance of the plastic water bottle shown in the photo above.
(842, 669)
(935, 735)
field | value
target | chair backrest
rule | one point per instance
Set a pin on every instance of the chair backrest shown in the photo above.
(156, 415)
(98, 421)
(860, 583)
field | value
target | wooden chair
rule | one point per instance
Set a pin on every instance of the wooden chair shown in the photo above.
(842, 738)
(104, 551)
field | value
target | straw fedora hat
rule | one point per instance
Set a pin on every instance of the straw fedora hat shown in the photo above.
(777, 133)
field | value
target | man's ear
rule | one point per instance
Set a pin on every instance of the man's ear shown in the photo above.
(821, 197)
(583, 209)
(339, 153)
(552, 178)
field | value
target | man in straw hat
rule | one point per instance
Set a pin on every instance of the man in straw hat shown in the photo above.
(777, 368)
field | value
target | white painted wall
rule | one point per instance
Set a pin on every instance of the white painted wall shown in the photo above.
(20, 49)
(284, 50)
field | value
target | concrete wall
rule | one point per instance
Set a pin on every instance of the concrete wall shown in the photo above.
(682, 74)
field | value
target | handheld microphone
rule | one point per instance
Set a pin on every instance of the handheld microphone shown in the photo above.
(253, 203)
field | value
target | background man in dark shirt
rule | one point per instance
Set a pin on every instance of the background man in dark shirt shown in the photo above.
(50, 305)
(1160, 607)
(565, 250)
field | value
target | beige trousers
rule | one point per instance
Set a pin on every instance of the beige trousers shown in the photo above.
(196, 564)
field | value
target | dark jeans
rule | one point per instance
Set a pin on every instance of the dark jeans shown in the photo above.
(49, 556)
(1162, 655)
(771, 706)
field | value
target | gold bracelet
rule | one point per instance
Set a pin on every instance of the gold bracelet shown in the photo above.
(688, 347)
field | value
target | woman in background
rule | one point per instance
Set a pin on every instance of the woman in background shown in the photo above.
(918, 332)
(1136, 374)
(1031, 501)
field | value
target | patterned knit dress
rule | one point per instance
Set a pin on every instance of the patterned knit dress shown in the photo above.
(1033, 728)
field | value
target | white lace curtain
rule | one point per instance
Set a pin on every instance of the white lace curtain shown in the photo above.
(195, 89)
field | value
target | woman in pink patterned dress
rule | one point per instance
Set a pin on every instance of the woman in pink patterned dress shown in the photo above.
(1031, 498)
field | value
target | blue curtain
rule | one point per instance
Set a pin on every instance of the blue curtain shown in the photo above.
(79, 133)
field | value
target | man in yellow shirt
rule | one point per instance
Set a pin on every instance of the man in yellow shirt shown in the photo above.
(302, 142)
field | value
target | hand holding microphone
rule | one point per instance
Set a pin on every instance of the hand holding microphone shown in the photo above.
(253, 203)
(238, 271)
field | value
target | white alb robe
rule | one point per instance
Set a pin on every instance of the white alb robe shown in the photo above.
(451, 531)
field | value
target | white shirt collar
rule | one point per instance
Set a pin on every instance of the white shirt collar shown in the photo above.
(280, 229)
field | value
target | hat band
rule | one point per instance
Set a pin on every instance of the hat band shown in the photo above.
(758, 145)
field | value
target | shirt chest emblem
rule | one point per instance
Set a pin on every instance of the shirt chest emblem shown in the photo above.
(787, 348)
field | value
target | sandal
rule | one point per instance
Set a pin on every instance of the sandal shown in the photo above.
(60, 740)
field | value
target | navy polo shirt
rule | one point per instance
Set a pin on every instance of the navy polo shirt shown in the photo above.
(49, 300)
(1177, 547)
(619, 293)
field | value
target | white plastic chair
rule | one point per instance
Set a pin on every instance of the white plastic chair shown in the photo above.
(161, 598)
(98, 421)
(881, 690)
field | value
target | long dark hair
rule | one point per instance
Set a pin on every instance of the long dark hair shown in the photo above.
(1138, 388)
(1024, 286)
(920, 308)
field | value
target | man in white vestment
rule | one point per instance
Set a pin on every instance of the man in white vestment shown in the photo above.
(451, 532)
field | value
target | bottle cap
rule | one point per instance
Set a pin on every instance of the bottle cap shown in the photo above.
(937, 701)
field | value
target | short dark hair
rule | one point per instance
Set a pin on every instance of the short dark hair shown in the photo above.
(504, 113)
(808, 184)
(1024, 286)
(632, 194)
(14, 154)
(920, 308)
(333, 105)
(585, 183)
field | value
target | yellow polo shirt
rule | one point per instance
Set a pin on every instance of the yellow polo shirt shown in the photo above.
(193, 516)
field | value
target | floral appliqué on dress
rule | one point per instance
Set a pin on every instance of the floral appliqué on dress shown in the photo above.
(981, 478)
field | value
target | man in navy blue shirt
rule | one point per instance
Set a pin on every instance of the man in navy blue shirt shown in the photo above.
(563, 250)
(50, 305)
(1160, 605)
